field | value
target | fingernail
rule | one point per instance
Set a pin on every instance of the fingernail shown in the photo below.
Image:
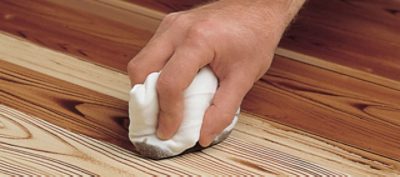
(161, 130)
(160, 134)
(206, 143)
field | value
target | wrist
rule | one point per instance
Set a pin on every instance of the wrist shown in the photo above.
(263, 13)
(286, 10)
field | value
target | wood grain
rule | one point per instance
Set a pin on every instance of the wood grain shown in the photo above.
(345, 109)
(64, 153)
(369, 114)
(64, 104)
(75, 32)
(118, 30)
(169, 6)
(359, 34)
(26, 140)
(257, 146)
(337, 68)
(60, 66)
(358, 107)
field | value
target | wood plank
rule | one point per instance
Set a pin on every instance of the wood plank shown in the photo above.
(303, 87)
(60, 152)
(255, 147)
(64, 104)
(59, 65)
(359, 34)
(75, 32)
(19, 15)
(114, 19)
(36, 94)
(333, 105)
(327, 65)
(259, 110)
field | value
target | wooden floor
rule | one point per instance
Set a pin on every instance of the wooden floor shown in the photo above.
(329, 105)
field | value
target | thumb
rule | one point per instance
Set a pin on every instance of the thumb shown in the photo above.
(221, 112)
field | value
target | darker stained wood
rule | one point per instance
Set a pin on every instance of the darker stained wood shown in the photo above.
(87, 36)
(64, 104)
(169, 6)
(364, 35)
(356, 33)
(329, 104)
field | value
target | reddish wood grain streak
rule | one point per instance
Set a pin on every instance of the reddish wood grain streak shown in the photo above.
(88, 36)
(329, 104)
(65, 104)
(341, 32)
(392, 11)
(168, 6)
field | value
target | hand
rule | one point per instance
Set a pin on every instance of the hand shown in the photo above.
(236, 38)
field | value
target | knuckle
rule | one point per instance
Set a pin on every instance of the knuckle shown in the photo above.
(227, 118)
(133, 67)
(169, 18)
(200, 31)
(166, 85)
(203, 33)
(178, 19)
(182, 21)
(135, 71)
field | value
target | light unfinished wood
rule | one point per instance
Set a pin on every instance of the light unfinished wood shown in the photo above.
(26, 140)
(255, 147)
(59, 65)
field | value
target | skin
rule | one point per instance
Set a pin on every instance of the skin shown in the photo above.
(236, 38)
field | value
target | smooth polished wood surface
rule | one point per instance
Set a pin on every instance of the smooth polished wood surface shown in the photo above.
(335, 31)
(360, 34)
(351, 110)
(59, 65)
(81, 34)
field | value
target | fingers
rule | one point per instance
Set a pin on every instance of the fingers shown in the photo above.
(157, 52)
(175, 77)
(220, 114)
(150, 59)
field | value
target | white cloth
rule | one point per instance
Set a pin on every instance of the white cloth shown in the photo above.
(143, 114)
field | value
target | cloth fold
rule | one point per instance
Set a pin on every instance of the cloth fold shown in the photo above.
(143, 115)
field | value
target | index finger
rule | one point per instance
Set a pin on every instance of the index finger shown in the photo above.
(175, 77)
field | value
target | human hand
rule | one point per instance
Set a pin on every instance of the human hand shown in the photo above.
(236, 38)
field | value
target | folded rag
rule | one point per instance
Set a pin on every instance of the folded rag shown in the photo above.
(143, 114)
